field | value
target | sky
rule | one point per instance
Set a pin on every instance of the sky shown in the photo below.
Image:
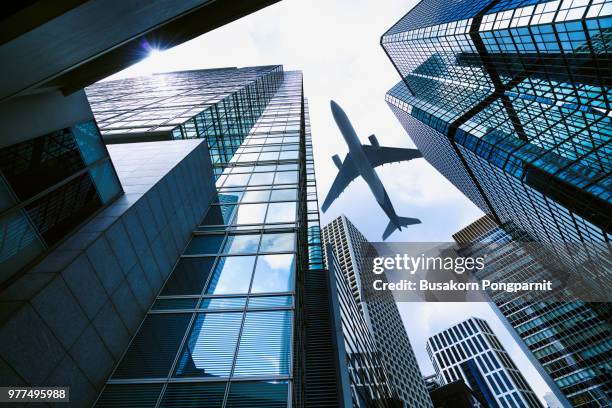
(336, 46)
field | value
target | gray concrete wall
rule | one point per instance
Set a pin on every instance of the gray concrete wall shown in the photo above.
(69, 319)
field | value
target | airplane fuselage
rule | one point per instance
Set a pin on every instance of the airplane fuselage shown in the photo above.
(363, 166)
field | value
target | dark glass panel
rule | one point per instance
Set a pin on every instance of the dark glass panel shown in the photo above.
(260, 394)
(190, 395)
(37, 164)
(206, 244)
(189, 277)
(155, 346)
(180, 303)
(63, 209)
(129, 395)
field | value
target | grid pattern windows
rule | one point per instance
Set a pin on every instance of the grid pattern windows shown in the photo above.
(232, 294)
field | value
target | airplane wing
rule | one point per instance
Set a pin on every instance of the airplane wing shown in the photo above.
(384, 155)
(347, 173)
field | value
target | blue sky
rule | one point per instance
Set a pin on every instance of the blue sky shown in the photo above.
(336, 45)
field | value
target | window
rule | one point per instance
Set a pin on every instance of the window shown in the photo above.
(284, 195)
(203, 395)
(211, 345)
(156, 343)
(253, 196)
(260, 394)
(274, 273)
(286, 177)
(250, 214)
(241, 244)
(281, 212)
(265, 344)
(209, 244)
(188, 277)
(278, 242)
(232, 275)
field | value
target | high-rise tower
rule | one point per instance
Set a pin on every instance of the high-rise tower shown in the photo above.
(565, 337)
(381, 315)
(470, 351)
(509, 101)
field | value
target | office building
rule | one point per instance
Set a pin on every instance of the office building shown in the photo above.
(380, 314)
(565, 337)
(364, 377)
(508, 100)
(455, 395)
(470, 351)
(183, 290)
(234, 323)
(56, 173)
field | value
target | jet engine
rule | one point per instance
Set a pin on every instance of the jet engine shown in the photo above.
(374, 141)
(337, 161)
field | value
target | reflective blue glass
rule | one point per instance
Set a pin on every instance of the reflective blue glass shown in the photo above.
(211, 345)
(274, 273)
(265, 344)
(232, 275)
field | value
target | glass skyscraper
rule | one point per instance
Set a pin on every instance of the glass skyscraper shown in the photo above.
(567, 339)
(470, 351)
(510, 101)
(383, 323)
(233, 326)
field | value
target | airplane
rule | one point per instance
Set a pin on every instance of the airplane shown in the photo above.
(361, 161)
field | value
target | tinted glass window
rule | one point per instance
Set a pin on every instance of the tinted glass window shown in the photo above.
(189, 277)
(207, 395)
(281, 212)
(156, 343)
(274, 273)
(265, 344)
(278, 242)
(241, 244)
(211, 345)
(204, 244)
(232, 275)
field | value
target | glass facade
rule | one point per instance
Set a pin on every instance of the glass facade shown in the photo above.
(226, 329)
(367, 376)
(373, 329)
(220, 105)
(50, 185)
(510, 101)
(570, 339)
(470, 352)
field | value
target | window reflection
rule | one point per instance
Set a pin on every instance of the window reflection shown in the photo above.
(265, 344)
(241, 244)
(210, 349)
(208, 244)
(277, 242)
(252, 196)
(232, 275)
(284, 195)
(250, 214)
(281, 212)
(274, 273)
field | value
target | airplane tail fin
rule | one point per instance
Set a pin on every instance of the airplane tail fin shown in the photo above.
(403, 222)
